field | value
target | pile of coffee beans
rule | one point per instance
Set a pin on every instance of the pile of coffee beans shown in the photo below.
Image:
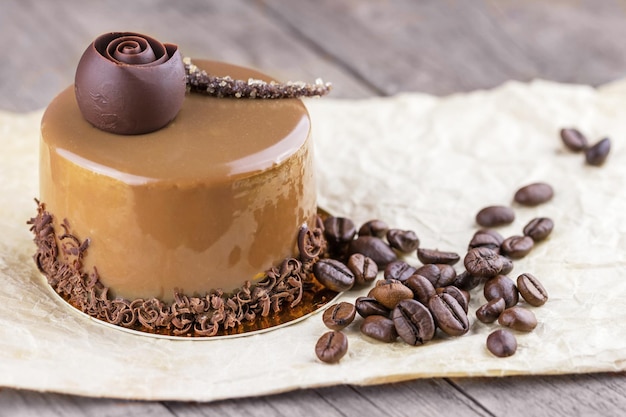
(416, 303)
(575, 141)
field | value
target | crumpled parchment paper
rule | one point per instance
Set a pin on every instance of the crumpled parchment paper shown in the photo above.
(416, 161)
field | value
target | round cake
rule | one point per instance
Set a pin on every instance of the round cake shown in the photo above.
(178, 217)
(212, 199)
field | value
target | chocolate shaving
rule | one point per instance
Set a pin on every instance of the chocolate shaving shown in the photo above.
(199, 81)
(215, 312)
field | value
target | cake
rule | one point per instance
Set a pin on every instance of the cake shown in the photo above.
(147, 211)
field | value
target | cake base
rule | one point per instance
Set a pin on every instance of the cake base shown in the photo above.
(285, 294)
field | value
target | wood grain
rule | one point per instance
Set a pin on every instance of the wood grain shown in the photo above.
(366, 48)
(442, 47)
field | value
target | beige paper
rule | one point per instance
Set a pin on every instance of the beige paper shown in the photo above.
(418, 162)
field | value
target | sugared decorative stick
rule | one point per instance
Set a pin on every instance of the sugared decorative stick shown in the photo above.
(198, 81)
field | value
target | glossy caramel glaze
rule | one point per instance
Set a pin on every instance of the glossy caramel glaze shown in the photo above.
(209, 201)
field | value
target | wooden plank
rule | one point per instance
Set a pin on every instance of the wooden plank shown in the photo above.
(47, 40)
(563, 395)
(20, 403)
(399, 399)
(445, 47)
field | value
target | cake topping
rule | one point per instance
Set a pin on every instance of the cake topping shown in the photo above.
(127, 83)
(199, 81)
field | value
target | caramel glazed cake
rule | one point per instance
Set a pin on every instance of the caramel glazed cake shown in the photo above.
(169, 209)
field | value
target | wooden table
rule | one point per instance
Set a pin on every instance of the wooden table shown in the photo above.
(366, 48)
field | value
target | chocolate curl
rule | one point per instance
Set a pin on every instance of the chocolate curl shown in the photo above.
(198, 81)
(186, 316)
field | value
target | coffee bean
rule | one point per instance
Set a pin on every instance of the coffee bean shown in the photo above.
(503, 287)
(376, 228)
(518, 318)
(466, 281)
(380, 328)
(413, 322)
(331, 347)
(462, 297)
(483, 262)
(597, 154)
(422, 288)
(573, 139)
(333, 275)
(363, 268)
(448, 314)
(534, 194)
(390, 292)
(539, 228)
(440, 275)
(399, 270)
(501, 343)
(374, 248)
(531, 290)
(435, 256)
(368, 306)
(488, 313)
(338, 316)
(486, 238)
(516, 247)
(507, 265)
(493, 216)
(339, 230)
(405, 241)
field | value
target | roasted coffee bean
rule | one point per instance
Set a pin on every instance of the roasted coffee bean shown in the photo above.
(368, 306)
(448, 314)
(462, 297)
(331, 347)
(507, 265)
(435, 256)
(486, 238)
(539, 228)
(390, 292)
(501, 286)
(333, 275)
(534, 194)
(399, 270)
(440, 275)
(516, 247)
(573, 139)
(597, 154)
(422, 288)
(363, 268)
(376, 228)
(493, 216)
(466, 281)
(339, 230)
(531, 290)
(518, 318)
(338, 316)
(488, 313)
(380, 328)
(501, 343)
(413, 322)
(483, 262)
(374, 248)
(405, 241)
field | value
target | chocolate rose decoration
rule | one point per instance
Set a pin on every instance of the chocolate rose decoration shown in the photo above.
(127, 83)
